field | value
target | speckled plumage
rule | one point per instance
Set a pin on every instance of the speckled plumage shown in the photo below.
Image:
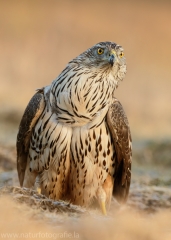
(74, 139)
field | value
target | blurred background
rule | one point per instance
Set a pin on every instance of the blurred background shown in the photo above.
(38, 38)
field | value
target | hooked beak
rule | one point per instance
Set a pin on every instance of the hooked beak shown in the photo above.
(112, 57)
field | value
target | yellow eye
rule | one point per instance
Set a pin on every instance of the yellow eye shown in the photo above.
(121, 54)
(100, 51)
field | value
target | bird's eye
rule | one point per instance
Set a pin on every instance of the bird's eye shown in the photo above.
(121, 54)
(100, 51)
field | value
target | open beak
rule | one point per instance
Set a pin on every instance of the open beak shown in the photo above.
(112, 57)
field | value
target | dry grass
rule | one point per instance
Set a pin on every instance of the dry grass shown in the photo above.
(33, 216)
(124, 224)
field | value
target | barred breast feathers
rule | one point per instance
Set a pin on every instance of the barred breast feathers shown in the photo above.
(80, 95)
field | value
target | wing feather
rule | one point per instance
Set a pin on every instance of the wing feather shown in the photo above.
(28, 121)
(121, 136)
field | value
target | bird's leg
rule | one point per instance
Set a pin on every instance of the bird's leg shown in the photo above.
(38, 189)
(101, 197)
(29, 179)
(104, 194)
(37, 185)
(108, 186)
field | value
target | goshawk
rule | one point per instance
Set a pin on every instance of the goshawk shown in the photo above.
(74, 139)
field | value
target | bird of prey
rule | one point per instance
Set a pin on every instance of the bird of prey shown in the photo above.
(74, 139)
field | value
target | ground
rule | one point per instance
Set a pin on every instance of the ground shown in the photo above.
(148, 205)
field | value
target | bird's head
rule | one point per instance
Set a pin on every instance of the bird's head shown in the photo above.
(107, 57)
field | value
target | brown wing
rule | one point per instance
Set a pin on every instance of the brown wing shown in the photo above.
(28, 121)
(121, 136)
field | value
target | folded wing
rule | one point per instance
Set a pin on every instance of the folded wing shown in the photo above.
(28, 121)
(121, 136)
